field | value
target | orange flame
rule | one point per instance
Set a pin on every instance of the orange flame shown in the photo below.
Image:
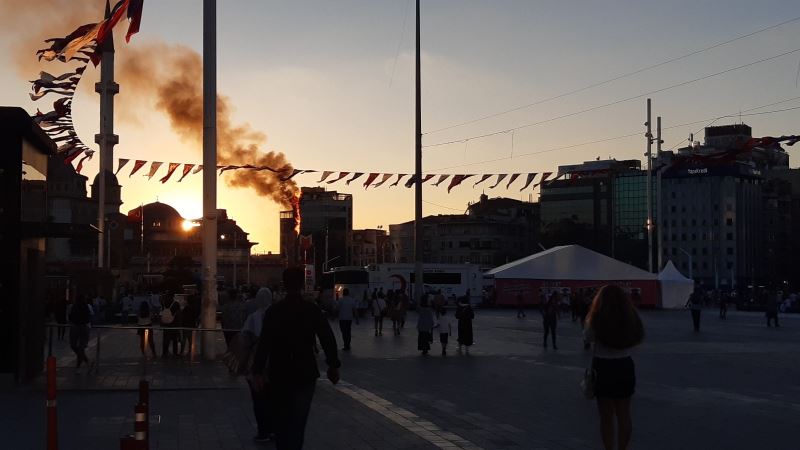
(296, 210)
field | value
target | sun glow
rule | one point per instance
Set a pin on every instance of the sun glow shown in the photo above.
(187, 225)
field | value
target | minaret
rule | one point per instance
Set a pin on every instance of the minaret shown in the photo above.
(106, 140)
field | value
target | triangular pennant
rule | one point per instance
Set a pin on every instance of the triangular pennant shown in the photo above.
(172, 168)
(484, 177)
(457, 179)
(528, 181)
(400, 176)
(223, 169)
(295, 172)
(500, 178)
(427, 177)
(86, 156)
(341, 175)
(354, 177)
(513, 179)
(154, 166)
(186, 169)
(384, 178)
(411, 181)
(136, 166)
(325, 175)
(122, 162)
(545, 176)
(197, 169)
(441, 180)
(370, 178)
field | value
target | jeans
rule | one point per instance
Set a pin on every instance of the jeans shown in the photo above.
(346, 327)
(291, 404)
(78, 341)
(262, 410)
(170, 336)
(550, 328)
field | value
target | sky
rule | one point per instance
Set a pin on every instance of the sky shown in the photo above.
(331, 84)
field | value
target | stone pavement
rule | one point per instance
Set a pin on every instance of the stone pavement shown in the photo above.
(734, 385)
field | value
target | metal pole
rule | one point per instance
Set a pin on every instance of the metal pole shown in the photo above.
(659, 214)
(418, 230)
(649, 136)
(235, 255)
(208, 317)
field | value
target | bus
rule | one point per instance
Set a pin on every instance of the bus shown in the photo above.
(453, 280)
(334, 281)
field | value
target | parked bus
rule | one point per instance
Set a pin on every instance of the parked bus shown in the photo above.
(333, 283)
(454, 280)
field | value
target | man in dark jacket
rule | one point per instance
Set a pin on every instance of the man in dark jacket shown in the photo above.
(285, 359)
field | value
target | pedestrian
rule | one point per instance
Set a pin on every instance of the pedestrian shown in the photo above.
(285, 359)
(60, 313)
(695, 304)
(615, 328)
(80, 319)
(378, 312)
(425, 324)
(723, 306)
(145, 332)
(232, 316)
(438, 301)
(520, 306)
(550, 318)
(465, 315)
(248, 338)
(169, 321)
(403, 298)
(347, 311)
(772, 308)
(190, 318)
(445, 329)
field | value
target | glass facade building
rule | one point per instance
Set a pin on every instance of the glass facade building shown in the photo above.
(630, 218)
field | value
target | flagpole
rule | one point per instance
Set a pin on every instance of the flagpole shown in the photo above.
(418, 230)
(208, 317)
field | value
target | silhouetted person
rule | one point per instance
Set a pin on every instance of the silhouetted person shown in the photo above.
(723, 306)
(170, 319)
(60, 313)
(425, 324)
(80, 318)
(695, 304)
(465, 315)
(285, 359)
(347, 311)
(145, 319)
(550, 319)
(773, 301)
(615, 328)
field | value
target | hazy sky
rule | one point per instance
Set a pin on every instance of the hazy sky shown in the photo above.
(331, 85)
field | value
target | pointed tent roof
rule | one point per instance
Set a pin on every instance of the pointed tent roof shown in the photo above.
(671, 273)
(570, 262)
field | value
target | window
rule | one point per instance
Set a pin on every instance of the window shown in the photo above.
(729, 236)
(694, 222)
(729, 250)
(730, 265)
(683, 237)
(705, 251)
(728, 207)
(694, 252)
(694, 237)
(672, 208)
(728, 221)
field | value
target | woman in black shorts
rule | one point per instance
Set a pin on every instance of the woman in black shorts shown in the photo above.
(615, 328)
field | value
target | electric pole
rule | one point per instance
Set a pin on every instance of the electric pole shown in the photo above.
(649, 137)
(418, 229)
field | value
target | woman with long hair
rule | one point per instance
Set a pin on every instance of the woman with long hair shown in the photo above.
(614, 326)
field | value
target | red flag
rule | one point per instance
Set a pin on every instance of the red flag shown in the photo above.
(186, 169)
(170, 171)
(354, 177)
(341, 175)
(384, 179)
(500, 178)
(484, 177)
(136, 166)
(135, 17)
(325, 175)
(122, 162)
(457, 179)
(545, 176)
(197, 169)
(513, 179)
(440, 180)
(295, 172)
(154, 166)
(400, 176)
(87, 155)
(370, 178)
(528, 181)
(306, 242)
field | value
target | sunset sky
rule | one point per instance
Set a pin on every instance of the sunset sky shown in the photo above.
(331, 85)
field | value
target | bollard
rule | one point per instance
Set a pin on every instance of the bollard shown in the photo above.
(140, 428)
(144, 400)
(52, 413)
(144, 392)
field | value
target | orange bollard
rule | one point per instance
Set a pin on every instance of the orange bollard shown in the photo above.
(52, 412)
(140, 427)
(144, 400)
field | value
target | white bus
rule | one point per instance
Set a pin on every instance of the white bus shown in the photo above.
(333, 283)
(454, 280)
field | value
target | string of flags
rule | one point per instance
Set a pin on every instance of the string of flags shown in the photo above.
(81, 46)
(371, 179)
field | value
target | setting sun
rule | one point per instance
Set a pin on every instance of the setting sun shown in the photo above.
(188, 225)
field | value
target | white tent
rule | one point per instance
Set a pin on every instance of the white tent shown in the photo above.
(675, 288)
(570, 262)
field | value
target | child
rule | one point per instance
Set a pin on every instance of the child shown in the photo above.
(445, 329)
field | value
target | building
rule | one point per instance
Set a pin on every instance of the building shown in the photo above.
(326, 228)
(371, 246)
(493, 232)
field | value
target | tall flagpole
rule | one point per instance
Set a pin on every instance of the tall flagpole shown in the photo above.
(418, 286)
(208, 317)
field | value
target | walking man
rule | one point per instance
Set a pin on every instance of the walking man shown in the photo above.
(285, 359)
(695, 303)
(347, 311)
(550, 318)
(772, 308)
(378, 311)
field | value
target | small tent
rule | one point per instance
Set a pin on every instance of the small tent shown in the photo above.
(675, 288)
(566, 269)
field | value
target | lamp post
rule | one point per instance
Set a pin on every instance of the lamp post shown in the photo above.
(691, 265)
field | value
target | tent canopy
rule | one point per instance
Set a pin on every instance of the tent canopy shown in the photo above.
(570, 262)
(675, 288)
(671, 273)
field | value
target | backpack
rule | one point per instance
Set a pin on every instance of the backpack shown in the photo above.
(167, 317)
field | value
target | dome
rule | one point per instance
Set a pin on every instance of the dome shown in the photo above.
(157, 216)
(111, 179)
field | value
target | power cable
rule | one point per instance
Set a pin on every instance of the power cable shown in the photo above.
(442, 206)
(616, 78)
(616, 102)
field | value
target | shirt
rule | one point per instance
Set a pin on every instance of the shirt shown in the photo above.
(378, 306)
(346, 306)
(601, 351)
(286, 347)
(425, 320)
(444, 324)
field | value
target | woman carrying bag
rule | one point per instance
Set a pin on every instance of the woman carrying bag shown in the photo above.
(615, 328)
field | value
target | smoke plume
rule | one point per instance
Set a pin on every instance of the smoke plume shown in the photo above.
(170, 76)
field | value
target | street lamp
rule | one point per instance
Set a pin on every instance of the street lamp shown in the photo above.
(691, 267)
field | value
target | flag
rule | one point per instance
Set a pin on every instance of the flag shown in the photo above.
(197, 169)
(325, 175)
(58, 45)
(457, 179)
(170, 171)
(122, 162)
(440, 180)
(135, 17)
(223, 169)
(107, 28)
(384, 178)
(86, 156)
(354, 177)
(370, 178)
(341, 175)
(528, 181)
(154, 166)
(400, 176)
(294, 172)
(513, 179)
(427, 177)
(186, 169)
(500, 178)
(484, 177)
(545, 176)
(136, 166)
(306, 242)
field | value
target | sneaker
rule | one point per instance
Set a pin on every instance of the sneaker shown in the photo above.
(263, 437)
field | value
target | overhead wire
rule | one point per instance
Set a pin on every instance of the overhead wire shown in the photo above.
(616, 78)
(616, 102)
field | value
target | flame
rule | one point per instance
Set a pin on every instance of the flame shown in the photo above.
(296, 210)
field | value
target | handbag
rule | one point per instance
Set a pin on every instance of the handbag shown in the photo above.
(588, 382)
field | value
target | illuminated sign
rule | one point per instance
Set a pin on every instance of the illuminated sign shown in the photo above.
(704, 170)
